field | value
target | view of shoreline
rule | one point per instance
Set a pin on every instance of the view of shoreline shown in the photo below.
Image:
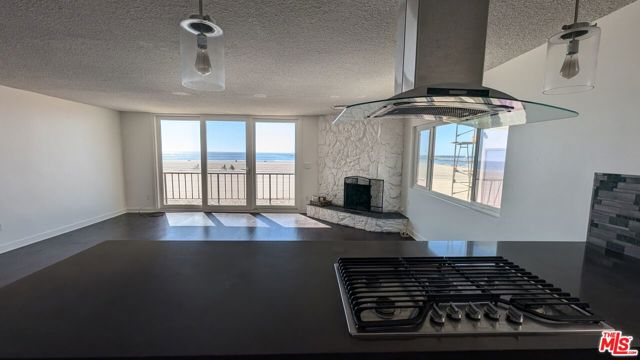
(228, 162)
(490, 177)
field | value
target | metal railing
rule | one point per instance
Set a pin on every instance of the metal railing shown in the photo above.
(227, 186)
(182, 186)
(491, 192)
(271, 188)
(275, 186)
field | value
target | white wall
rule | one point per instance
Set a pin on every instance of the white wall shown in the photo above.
(550, 166)
(60, 166)
(138, 138)
(309, 176)
(138, 147)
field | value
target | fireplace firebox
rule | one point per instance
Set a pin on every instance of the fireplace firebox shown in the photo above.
(363, 194)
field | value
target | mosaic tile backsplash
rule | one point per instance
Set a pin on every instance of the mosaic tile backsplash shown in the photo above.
(614, 223)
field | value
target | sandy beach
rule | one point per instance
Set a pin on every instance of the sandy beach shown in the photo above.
(218, 165)
(489, 188)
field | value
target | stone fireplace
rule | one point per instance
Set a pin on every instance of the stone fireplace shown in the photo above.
(371, 149)
(362, 151)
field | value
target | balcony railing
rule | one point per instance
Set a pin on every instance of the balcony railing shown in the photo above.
(228, 188)
(491, 192)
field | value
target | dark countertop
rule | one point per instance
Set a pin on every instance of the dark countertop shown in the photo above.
(160, 298)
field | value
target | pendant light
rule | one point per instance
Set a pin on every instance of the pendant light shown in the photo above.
(201, 53)
(572, 57)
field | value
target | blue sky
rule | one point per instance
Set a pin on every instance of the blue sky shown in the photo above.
(227, 136)
(446, 135)
(493, 139)
(275, 137)
(180, 135)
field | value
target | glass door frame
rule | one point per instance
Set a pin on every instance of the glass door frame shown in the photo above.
(250, 168)
(297, 162)
(159, 164)
(251, 190)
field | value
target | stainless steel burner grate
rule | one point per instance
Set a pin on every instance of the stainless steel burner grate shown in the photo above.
(387, 293)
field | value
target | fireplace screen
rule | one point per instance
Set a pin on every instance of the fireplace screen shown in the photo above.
(363, 194)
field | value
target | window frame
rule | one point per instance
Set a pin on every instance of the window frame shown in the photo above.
(418, 130)
(250, 121)
(472, 203)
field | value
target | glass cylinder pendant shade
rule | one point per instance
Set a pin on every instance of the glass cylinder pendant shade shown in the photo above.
(202, 55)
(572, 58)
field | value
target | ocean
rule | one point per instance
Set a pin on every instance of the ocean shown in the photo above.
(488, 165)
(212, 155)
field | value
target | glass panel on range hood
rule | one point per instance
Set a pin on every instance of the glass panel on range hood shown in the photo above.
(479, 112)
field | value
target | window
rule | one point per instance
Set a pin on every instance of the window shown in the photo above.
(275, 162)
(422, 167)
(181, 162)
(453, 158)
(462, 162)
(491, 160)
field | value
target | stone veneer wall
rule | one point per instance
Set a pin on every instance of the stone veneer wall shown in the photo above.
(370, 148)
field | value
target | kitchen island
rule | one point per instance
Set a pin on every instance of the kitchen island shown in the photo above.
(273, 300)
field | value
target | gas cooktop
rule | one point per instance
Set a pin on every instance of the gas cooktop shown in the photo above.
(422, 296)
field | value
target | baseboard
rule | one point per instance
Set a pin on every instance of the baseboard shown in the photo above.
(412, 232)
(58, 231)
(266, 210)
(144, 210)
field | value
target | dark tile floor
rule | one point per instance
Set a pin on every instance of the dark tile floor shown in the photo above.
(21, 262)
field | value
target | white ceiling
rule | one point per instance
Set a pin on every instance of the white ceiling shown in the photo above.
(303, 55)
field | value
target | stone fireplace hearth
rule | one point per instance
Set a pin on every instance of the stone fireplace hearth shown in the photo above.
(364, 220)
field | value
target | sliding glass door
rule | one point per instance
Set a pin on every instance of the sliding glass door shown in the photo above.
(227, 170)
(275, 154)
(180, 162)
(226, 164)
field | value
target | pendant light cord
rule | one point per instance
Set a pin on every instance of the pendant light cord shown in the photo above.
(201, 11)
(575, 14)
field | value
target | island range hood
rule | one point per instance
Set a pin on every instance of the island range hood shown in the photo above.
(439, 68)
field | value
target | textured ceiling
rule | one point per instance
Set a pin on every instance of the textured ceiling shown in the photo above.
(282, 57)
(517, 26)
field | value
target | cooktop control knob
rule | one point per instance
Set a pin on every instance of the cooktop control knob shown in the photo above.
(514, 315)
(473, 312)
(453, 312)
(491, 311)
(436, 315)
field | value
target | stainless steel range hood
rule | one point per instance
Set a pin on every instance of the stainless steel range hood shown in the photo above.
(439, 69)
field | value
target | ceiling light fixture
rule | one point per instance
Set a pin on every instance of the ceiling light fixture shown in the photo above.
(572, 57)
(202, 53)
